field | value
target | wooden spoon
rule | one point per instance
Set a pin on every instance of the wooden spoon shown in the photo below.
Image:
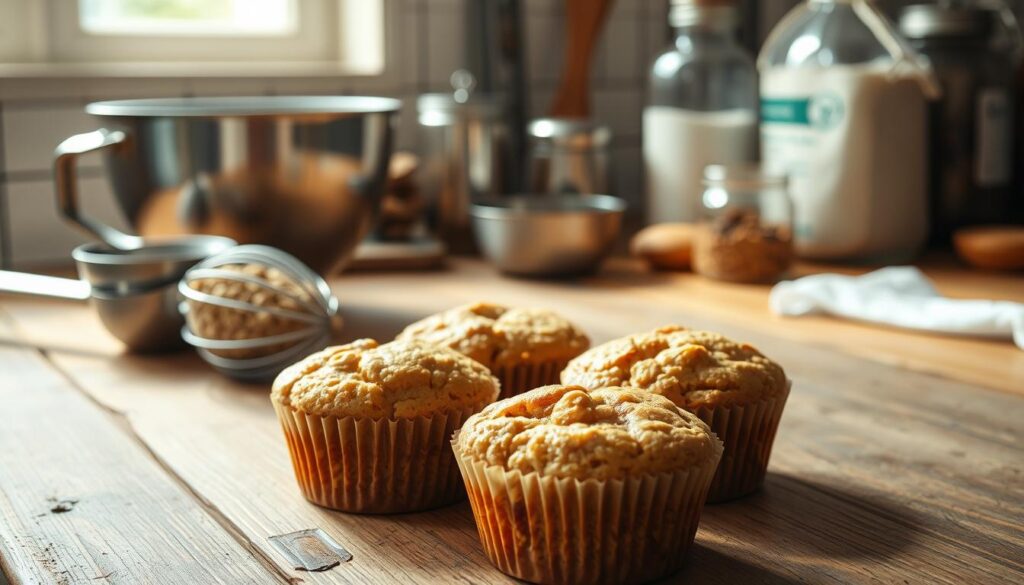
(583, 22)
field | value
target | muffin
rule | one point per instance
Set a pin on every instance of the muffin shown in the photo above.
(368, 425)
(524, 348)
(575, 486)
(737, 391)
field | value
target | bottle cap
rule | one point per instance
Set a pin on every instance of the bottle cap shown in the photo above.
(709, 12)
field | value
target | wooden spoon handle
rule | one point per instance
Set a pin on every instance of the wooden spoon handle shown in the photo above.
(583, 22)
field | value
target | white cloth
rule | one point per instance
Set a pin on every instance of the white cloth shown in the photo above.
(900, 296)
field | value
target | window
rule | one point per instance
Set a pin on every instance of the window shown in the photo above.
(196, 36)
(214, 18)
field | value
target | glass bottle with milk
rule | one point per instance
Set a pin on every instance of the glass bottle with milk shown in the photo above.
(844, 114)
(702, 111)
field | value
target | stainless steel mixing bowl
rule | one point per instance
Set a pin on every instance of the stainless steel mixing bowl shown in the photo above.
(548, 235)
(302, 173)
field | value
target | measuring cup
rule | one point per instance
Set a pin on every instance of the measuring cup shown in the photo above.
(134, 291)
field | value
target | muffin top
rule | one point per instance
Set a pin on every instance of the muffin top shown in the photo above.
(570, 432)
(500, 336)
(401, 379)
(691, 368)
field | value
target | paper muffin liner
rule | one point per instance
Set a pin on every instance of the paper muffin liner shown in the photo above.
(562, 530)
(516, 379)
(748, 432)
(374, 466)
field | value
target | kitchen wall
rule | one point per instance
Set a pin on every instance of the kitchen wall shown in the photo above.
(35, 115)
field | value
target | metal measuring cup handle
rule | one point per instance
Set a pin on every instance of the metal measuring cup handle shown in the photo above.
(64, 166)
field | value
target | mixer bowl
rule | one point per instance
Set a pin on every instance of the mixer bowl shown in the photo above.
(301, 173)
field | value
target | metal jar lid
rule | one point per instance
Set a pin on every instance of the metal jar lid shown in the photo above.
(719, 13)
(442, 109)
(923, 21)
(568, 134)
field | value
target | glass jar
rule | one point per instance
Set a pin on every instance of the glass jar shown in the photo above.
(745, 233)
(702, 109)
(972, 124)
(844, 115)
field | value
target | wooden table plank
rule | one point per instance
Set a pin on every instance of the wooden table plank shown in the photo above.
(981, 362)
(81, 501)
(879, 474)
(984, 362)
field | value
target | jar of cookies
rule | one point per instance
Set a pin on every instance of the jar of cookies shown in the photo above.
(745, 232)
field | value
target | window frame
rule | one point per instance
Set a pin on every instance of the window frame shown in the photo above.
(51, 44)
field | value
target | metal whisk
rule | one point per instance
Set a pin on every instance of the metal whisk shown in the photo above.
(253, 310)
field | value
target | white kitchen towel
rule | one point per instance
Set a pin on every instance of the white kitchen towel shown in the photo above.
(900, 296)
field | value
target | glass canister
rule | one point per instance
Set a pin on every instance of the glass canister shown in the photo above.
(746, 226)
(569, 155)
(972, 124)
(702, 110)
(464, 138)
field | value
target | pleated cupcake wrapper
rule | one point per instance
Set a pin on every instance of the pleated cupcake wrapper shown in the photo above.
(374, 466)
(748, 433)
(558, 530)
(520, 378)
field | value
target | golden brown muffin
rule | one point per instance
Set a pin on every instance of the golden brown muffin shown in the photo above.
(564, 431)
(524, 348)
(401, 379)
(494, 335)
(737, 391)
(369, 426)
(617, 476)
(691, 368)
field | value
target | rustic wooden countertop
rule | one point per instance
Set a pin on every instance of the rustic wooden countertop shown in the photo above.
(900, 458)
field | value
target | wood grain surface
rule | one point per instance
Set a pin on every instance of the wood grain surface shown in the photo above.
(880, 473)
(82, 502)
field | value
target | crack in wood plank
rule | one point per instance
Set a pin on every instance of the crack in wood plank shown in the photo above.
(123, 420)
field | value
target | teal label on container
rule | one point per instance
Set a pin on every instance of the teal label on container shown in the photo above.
(823, 111)
(785, 111)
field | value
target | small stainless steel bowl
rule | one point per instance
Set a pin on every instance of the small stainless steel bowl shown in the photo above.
(548, 235)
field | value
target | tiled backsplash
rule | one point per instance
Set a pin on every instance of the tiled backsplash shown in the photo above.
(34, 118)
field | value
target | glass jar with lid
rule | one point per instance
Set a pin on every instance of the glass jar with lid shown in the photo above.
(745, 232)
(972, 124)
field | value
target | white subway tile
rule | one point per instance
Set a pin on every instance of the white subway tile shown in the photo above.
(627, 176)
(544, 41)
(444, 45)
(38, 233)
(619, 109)
(406, 53)
(30, 135)
(214, 86)
(618, 55)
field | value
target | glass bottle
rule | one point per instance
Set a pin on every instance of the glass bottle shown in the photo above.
(702, 110)
(844, 114)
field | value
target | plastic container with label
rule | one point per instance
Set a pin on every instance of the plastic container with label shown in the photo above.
(844, 115)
